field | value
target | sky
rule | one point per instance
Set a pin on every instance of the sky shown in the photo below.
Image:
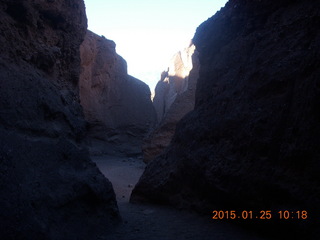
(148, 33)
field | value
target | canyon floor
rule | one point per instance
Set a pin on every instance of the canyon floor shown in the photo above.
(153, 222)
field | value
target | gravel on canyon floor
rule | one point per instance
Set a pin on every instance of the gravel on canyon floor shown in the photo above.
(153, 222)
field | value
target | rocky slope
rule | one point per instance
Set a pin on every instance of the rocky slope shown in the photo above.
(174, 98)
(49, 187)
(252, 140)
(117, 106)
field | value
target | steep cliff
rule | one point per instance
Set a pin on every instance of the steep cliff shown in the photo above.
(174, 98)
(117, 106)
(252, 141)
(49, 187)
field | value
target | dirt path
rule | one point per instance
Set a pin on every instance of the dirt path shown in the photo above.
(150, 222)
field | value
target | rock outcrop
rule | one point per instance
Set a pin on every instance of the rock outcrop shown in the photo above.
(252, 141)
(174, 98)
(49, 187)
(117, 106)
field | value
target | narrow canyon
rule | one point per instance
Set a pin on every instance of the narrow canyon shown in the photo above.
(227, 148)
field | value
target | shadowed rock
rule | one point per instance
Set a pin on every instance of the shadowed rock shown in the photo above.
(117, 106)
(252, 141)
(49, 187)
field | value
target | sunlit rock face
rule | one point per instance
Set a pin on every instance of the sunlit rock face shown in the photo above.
(175, 81)
(174, 98)
(117, 106)
(252, 141)
(49, 187)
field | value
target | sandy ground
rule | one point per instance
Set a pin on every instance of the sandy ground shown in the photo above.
(150, 222)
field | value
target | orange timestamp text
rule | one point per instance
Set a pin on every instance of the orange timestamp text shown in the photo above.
(263, 214)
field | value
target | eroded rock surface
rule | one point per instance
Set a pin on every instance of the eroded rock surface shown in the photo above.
(252, 141)
(49, 187)
(174, 98)
(117, 106)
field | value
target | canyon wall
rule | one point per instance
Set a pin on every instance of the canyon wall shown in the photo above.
(174, 98)
(49, 187)
(252, 141)
(117, 106)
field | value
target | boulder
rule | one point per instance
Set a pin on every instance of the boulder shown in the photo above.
(174, 98)
(117, 106)
(49, 187)
(252, 141)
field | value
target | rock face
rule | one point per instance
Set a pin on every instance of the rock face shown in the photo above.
(49, 187)
(117, 106)
(253, 138)
(174, 98)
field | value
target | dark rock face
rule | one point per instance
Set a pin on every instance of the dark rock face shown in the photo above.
(174, 98)
(49, 187)
(117, 106)
(252, 140)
